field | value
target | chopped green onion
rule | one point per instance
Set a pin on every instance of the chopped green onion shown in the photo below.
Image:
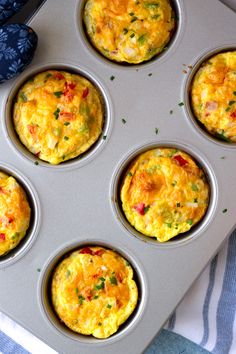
(123, 120)
(125, 30)
(141, 39)
(58, 94)
(178, 205)
(224, 210)
(23, 97)
(67, 123)
(194, 187)
(156, 130)
(112, 77)
(151, 5)
(109, 306)
(66, 137)
(36, 163)
(181, 104)
(146, 208)
(129, 174)
(104, 137)
(132, 35)
(231, 102)
(96, 297)
(68, 273)
(134, 19)
(56, 113)
(190, 221)
(113, 280)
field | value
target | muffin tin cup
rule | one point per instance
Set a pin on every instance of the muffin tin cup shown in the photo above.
(35, 220)
(88, 155)
(186, 94)
(167, 52)
(182, 238)
(79, 204)
(47, 308)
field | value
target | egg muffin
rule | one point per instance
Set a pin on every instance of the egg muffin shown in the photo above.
(127, 30)
(14, 213)
(213, 95)
(164, 193)
(93, 291)
(58, 115)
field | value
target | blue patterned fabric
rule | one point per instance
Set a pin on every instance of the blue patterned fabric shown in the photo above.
(18, 43)
(9, 7)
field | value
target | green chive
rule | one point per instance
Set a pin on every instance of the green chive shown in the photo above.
(112, 77)
(171, 112)
(66, 137)
(48, 75)
(194, 187)
(190, 221)
(127, 263)
(231, 102)
(125, 31)
(57, 94)
(222, 157)
(228, 109)
(109, 306)
(23, 97)
(222, 136)
(174, 183)
(129, 174)
(56, 113)
(68, 273)
(104, 137)
(38, 269)
(102, 279)
(100, 286)
(67, 123)
(151, 5)
(132, 35)
(134, 19)
(150, 74)
(181, 104)
(234, 93)
(131, 13)
(156, 130)
(36, 163)
(99, 323)
(113, 280)
(224, 210)
(146, 208)
(154, 17)
(178, 205)
(77, 290)
(168, 224)
(141, 39)
(96, 297)
(123, 121)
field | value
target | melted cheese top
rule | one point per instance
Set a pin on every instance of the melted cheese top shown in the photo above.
(14, 213)
(93, 291)
(164, 193)
(128, 30)
(58, 115)
(213, 95)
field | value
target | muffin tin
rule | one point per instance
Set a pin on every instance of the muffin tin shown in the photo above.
(76, 203)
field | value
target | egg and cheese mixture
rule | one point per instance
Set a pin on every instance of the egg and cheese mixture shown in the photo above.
(93, 291)
(213, 95)
(14, 213)
(129, 31)
(58, 115)
(164, 193)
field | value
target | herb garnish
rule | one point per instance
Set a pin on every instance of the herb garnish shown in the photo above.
(81, 299)
(23, 97)
(113, 280)
(57, 94)
(224, 210)
(156, 130)
(66, 137)
(67, 123)
(181, 104)
(123, 121)
(112, 77)
(190, 221)
(194, 187)
(109, 306)
(56, 113)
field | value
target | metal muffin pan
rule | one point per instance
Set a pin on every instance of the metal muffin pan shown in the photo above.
(76, 200)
